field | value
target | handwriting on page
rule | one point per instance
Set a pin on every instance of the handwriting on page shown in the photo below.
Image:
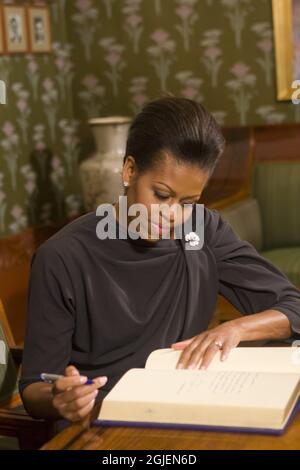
(219, 383)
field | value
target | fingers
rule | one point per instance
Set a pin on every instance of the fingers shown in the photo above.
(83, 401)
(184, 359)
(182, 344)
(211, 351)
(208, 355)
(75, 400)
(100, 381)
(192, 361)
(227, 347)
(200, 350)
(71, 371)
(67, 382)
(78, 392)
(204, 353)
(73, 387)
(63, 399)
(80, 414)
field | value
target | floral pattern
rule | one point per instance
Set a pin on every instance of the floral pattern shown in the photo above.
(112, 57)
(37, 131)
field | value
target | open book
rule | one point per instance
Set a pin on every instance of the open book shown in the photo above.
(255, 389)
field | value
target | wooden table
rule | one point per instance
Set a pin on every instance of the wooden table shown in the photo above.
(128, 438)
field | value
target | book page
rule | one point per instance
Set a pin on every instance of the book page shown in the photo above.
(255, 359)
(233, 398)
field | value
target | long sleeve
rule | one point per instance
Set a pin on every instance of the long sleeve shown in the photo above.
(249, 281)
(51, 317)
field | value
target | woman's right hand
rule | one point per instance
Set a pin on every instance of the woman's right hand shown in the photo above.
(71, 398)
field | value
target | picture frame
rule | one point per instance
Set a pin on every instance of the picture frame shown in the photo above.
(2, 49)
(15, 29)
(39, 26)
(287, 45)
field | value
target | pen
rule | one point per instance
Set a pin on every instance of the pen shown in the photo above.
(51, 378)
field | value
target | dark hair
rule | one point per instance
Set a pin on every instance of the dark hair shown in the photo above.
(178, 125)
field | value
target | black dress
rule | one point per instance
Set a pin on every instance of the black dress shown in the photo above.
(104, 305)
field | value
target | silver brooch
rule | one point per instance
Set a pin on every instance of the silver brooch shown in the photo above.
(192, 238)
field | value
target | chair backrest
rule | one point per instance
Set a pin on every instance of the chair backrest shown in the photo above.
(232, 173)
(276, 186)
(245, 219)
(8, 373)
(15, 257)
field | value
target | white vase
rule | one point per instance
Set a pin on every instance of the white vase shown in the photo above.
(101, 174)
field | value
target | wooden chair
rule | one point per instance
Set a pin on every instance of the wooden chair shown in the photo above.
(262, 204)
(229, 184)
(14, 421)
(15, 257)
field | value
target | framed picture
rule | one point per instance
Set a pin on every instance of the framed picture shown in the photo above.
(286, 19)
(1, 32)
(15, 29)
(39, 29)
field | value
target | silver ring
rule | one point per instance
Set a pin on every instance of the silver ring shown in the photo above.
(219, 344)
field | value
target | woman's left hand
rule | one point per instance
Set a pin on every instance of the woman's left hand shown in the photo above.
(200, 350)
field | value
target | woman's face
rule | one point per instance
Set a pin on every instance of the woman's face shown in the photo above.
(169, 183)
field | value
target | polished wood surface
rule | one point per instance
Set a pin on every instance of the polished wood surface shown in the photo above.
(277, 143)
(231, 180)
(232, 173)
(126, 438)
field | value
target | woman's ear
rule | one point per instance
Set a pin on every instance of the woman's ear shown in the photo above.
(129, 169)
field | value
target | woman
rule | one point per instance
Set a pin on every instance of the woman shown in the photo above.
(98, 307)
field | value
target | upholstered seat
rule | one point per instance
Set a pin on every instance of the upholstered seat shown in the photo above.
(270, 218)
(287, 260)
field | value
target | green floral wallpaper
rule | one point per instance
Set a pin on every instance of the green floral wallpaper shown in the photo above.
(219, 52)
(38, 140)
(111, 57)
